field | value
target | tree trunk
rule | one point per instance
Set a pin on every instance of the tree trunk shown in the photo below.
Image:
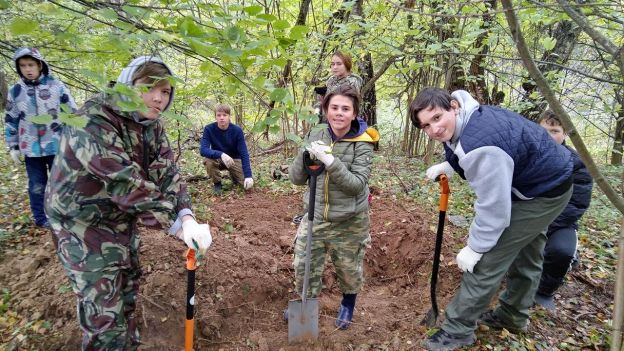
(617, 53)
(478, 86)
(368, 109)
(618, 136)
(618, 313)
(4, 91)
(616, 153)
(369, 98)
(339, 16)
(283, 81)
(566, 33)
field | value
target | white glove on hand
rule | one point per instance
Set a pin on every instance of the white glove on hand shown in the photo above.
(248, 184)
(441, 168)
(15, 156)
(196, 236)
(321, 152)
(227, 160)
(467, 259)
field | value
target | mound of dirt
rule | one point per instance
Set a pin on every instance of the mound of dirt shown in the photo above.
(246, 281)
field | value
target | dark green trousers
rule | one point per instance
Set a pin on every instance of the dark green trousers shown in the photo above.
(519, 254)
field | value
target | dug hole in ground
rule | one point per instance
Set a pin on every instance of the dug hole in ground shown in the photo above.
(247, 279)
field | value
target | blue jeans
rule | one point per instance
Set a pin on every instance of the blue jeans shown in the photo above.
(37, 169)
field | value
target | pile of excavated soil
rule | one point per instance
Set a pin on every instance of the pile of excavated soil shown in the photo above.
(246, 280)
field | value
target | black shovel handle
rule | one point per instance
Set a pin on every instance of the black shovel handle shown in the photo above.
(313, 169)
(432, 315)
(312, 166)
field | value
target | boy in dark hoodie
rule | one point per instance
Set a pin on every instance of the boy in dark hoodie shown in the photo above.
(560, 247)
(522, 180)
(36, 93)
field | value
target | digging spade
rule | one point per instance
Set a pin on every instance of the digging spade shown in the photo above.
(303, 315)
(432, 315)
(191, 265)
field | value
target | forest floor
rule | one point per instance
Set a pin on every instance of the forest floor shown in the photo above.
(245, 282)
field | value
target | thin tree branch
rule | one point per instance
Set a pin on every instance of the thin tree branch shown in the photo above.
(581, 21)
(555, 105)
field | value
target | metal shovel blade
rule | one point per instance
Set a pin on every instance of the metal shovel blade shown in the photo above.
(303, 317)
(303, 314)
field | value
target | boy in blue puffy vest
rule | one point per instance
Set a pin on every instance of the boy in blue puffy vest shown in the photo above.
(36, 93)
(522, 180)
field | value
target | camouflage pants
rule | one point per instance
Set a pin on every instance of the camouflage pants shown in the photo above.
(345, 242)
(215, 166)
(103, 269)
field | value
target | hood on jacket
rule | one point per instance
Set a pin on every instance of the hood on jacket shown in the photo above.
(467, 105)
(126, 74)
(358, 127)
(360, 131)
(32, 53)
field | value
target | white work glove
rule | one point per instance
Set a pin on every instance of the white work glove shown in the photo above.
(15, 156)
(441, 168)
(467, 259)
(196, 236)
(321, 152)
(227, 160)
(248, 184)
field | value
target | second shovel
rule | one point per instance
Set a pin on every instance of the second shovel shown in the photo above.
(303, 315)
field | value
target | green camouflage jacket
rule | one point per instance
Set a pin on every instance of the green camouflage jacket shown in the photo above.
(351, 79)
(113, 172)
(342, 189)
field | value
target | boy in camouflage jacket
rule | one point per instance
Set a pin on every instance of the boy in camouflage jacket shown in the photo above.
(108, 177)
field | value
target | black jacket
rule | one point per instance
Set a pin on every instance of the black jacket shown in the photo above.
(581, 196)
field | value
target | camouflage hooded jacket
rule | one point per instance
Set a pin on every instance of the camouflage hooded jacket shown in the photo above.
(113, 172)
(351, 79)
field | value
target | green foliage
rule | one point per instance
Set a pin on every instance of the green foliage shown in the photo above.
(228, 228)
(6, 297)
(42, 119)
(21, 26)
(548, 43)
(73, 120)
(64, 289)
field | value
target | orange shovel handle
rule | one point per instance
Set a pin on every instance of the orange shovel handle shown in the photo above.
(191, 265)
(444, 192)
(188, 334)
(191, 261)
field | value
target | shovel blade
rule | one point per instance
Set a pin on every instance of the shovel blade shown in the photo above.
(303, 321)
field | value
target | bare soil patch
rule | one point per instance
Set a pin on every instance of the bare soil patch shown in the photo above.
(246, 280)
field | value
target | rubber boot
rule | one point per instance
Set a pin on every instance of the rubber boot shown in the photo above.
(546, 301)
(345, 312)
(217, 189)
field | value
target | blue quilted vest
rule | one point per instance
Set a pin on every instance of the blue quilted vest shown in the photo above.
(540, 164)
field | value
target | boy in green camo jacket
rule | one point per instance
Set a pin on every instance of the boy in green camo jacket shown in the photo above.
(115, 173)
(341, 221)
